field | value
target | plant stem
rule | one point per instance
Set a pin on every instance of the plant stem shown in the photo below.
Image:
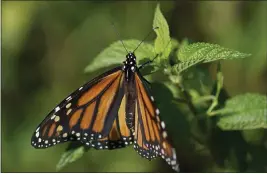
(204, 99)
(216, 112)
(188, 100)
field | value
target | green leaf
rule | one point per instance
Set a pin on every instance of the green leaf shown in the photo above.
(183, 44)
(163, 40)
(180, 67)
(208, 52)
(70, 156)
(115, 54)
(192, 54)
(248, 111)
(177, 46)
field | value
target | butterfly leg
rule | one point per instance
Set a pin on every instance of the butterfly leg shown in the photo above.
(148, 62)
(149, 84)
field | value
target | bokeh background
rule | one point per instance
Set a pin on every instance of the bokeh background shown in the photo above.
(46, 45)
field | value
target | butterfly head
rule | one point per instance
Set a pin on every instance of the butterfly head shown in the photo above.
(130, 62)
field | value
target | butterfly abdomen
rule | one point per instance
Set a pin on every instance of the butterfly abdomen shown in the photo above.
(130, 104)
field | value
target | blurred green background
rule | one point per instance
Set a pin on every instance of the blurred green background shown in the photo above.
(46, 45)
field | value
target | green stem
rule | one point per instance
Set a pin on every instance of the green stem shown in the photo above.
(216, 112)
(188, 100)
(204, 99)
(218, 90)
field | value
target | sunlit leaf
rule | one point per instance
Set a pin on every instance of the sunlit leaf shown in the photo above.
(163, 41)
(183, 44)
(196, 53)
(180, 67)
(208, 52)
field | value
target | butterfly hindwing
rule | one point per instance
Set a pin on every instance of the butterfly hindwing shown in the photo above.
(119, 136)
(150, 138)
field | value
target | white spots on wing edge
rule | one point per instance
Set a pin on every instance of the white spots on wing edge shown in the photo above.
(59, 128)
(164, 134)
(162, 151)
(163, 125)
(57, 118)
(68, 105)
(57, 109)
(69, 98)
(37, 129)
(53, 116)
(157, 111)
(69, 111)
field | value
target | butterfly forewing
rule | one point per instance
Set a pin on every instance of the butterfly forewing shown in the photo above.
(86, 114)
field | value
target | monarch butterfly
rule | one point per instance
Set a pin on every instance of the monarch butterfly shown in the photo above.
(111, 111)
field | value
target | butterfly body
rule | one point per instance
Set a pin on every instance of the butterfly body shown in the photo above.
(130, 68)
(111, 111)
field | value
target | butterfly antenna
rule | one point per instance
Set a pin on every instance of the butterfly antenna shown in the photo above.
(119, 38)
(144, 39)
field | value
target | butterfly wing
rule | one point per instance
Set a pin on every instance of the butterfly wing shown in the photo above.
(90, 114)
(150, 139)
(119, 135)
